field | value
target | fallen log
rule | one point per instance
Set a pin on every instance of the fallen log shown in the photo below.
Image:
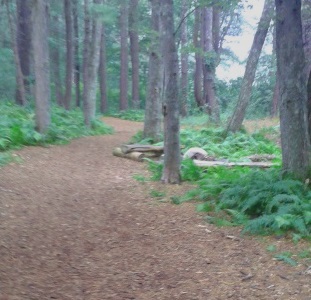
(142, 148)
(261, 157)
(206, 164)
(137, 156)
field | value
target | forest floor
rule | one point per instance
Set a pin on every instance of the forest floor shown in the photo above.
(76, 224)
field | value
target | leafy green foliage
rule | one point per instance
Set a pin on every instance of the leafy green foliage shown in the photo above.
(286, 257)
(17, 127)
(234, 146)
(260, 200)
(157, 194)
(8, 82)
(156, 169)
(189, 171)
(5, 158)
(131, 115)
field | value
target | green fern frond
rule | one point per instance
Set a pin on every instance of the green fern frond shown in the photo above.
(261, 224)
(300, 226)
(237, 216)
(285, 258)
(282, 199)
(287, 186)
(307, 217)
(253, 204)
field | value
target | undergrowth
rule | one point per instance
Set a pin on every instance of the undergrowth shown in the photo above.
(131, 115)
(17, 127)
(262, 201)
(234, 146)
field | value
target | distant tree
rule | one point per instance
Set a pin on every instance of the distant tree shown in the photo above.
(102, 73)
(209, 64)
(237, 118)
(276, 91)
(171, 169)
(20, 91)
(92, 38)
(76, 52)
(55, 30)
(134, 49)
(69, 52)
(153, 118)
(293, 93)
(184, 60)
(124, 13)
(24, 40)
(41, 63)
(198, 72)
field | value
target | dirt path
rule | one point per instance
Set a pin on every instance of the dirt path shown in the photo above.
(74, 224)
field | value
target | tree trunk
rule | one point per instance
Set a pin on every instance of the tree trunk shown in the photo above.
(24, 39)
(124, 55)
(152, 124)
(69, 52)
(102, 73)
(209, 64)
(171, 169)
(293, 94)
(198, 72)
(55, 66)
(184, 62)
(134, 49)
(41, 64)
(275, 99)
(91, 63)
(237, 118)
(276, 92)
(306, 30)
(76, 54)
(20, 92)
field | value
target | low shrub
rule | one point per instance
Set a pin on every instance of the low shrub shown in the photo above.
(17, 127)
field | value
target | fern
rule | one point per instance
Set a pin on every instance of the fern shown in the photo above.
(282, 200)
(189, 171)
(17, 127)
(262, 224)
(254, 204)
(286, 257)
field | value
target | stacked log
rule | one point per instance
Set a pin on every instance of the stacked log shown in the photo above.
(138, 152)
(200, 158)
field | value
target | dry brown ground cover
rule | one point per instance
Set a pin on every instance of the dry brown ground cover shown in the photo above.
(75, 224)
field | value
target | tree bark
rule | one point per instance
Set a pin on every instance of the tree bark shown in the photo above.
(237, 118)
(275, 99)
(124, 55)
(184, 62)
(102, 73)
(76, 54)
(293, 117)
(41, 64)
(55, 66)
(198, 72)
(171, 169)
(69, 52)
(91, 63)
(306, 30)
(209, 64)
(276, 92)
(134, 49)
(152, 123)
(20, 91)
(24, 39)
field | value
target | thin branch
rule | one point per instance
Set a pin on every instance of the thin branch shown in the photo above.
(184, 18)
